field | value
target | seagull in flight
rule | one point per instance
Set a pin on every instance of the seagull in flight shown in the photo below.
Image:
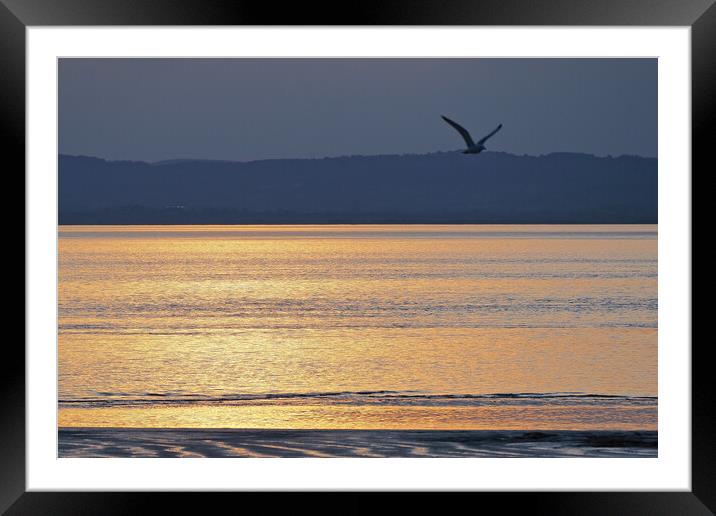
(472, 147)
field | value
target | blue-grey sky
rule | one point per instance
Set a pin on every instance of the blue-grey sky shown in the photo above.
(247, 109)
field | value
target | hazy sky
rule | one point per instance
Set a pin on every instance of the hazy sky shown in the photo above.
(246, 109)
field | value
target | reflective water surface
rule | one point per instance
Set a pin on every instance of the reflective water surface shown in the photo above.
(425, 327)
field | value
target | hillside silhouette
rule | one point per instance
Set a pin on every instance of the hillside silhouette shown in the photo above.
(443, 187)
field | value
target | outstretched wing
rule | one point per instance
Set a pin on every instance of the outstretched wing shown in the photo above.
(460, 129)
(483, 140)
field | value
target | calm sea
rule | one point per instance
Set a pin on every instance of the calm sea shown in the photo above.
(425, 327)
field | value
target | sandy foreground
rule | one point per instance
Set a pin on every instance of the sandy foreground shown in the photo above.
(124, 442)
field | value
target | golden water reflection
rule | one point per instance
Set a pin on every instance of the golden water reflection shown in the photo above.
(604, 417)
(165, 313)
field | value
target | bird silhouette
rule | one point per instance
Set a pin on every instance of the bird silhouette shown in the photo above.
(472, 147)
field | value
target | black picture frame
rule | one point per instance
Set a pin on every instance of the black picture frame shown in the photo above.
(17, 15)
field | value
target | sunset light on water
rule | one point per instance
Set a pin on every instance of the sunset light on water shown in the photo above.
(358, 327)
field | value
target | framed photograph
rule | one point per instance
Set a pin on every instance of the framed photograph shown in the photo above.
(406, 248)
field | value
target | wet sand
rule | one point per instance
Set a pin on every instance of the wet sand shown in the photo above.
(184, 443)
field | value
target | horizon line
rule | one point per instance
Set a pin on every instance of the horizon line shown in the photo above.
(169, 161)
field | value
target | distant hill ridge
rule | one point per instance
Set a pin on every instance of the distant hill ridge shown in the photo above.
(442, 187)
